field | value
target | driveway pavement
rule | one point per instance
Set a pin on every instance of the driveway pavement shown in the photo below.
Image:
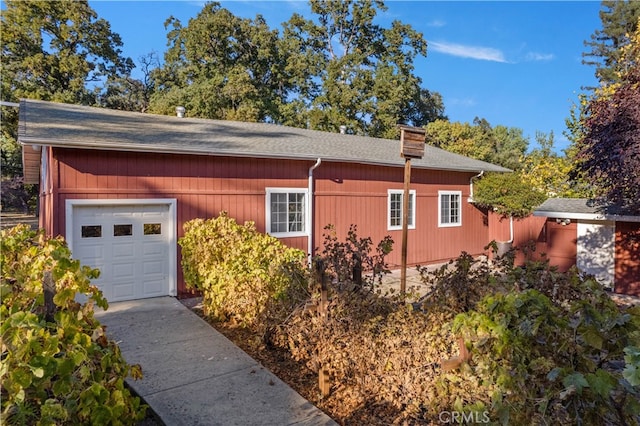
(193, 375)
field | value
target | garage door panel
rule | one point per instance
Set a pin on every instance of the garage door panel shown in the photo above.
(123, 250)
(123, 291)
(153, 287)
(123, 270)
(129, 243)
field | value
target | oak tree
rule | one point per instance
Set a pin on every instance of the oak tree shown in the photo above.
(54, 50)
(361, 73)
(221, 66)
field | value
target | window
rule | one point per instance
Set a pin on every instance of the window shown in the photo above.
(91, 231)
(286, 212)
(122, 230)
(449, 208)
(152, 229)
(394, 220)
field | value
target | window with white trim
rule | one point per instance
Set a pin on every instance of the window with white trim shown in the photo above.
(286, 212)
(449, 208)
(394, 209)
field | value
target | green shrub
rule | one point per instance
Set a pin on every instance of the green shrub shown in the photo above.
(57, 365)
(245, 277)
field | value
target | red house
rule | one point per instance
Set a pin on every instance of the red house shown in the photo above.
(119, 186)
(605, 244)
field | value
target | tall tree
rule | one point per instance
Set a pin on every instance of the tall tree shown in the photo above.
(619, 20)
(361, 74)
(609, 152)
(129, 94)
(221, 66)
(500, 145)
(546, 171)
(53, 50)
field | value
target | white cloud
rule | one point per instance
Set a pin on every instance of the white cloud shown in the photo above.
(473, 52)
(436, 23)
(535, 56)
(463, 102)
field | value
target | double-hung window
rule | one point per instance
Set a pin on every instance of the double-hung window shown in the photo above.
(449, 208)
(287, 212)
(394, 209)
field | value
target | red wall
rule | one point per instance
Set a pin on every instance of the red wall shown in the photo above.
(345, 194)
(627, 272)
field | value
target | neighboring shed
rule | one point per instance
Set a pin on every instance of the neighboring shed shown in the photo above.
(600, 242)
(120, 185)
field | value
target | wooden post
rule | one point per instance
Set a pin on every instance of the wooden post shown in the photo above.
(405, 224)
(357, 269)
(324, 382)
(411, 146)
(49, 288)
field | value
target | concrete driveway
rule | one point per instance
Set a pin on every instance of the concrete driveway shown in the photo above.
(193, 375)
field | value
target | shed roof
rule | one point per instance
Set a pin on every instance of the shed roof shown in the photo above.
(580, 208)
(75, 126)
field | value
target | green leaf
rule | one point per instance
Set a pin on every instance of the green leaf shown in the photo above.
(601, 382)
(575, 380)
(592, 338)
(632, 374)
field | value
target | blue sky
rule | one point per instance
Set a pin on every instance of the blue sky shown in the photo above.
(516, 64)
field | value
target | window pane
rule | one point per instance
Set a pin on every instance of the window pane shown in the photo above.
(410, 221)
(444, 208)
(396, 209)
(450, 205)
(296, 210)
(278, 212)
(152, 229)
(91, 231)
(455, 208)
(122, 230)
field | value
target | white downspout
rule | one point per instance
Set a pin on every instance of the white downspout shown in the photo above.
(510, 229)
(470, 199)
(310, 214)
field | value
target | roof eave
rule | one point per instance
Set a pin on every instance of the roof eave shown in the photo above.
(586, 216)
(26, 141)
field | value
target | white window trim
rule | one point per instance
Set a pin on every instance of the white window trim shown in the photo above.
(307, 217)
(412, 193)
(449, 225)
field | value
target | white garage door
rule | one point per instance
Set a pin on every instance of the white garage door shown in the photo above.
(133, 245)
(596, 246)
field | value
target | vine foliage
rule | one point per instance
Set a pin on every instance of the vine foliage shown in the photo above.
(57, 365)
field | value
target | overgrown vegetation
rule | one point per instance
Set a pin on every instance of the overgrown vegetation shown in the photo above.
(57, 365)
(543, 346)
(244, 276)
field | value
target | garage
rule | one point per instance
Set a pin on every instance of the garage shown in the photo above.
(132, 242)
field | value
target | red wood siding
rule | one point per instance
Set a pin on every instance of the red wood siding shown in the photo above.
(528, 233)
(627, 269)
(345, 194)
(357, 194)
(561, 244)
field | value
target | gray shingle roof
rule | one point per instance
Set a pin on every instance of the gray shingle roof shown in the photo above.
(55, 124)
(580, 208)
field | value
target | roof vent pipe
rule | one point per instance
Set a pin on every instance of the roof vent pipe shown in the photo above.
(180, 111)
(343, 129)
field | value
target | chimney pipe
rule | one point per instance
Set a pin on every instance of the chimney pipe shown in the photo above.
(180, 111)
